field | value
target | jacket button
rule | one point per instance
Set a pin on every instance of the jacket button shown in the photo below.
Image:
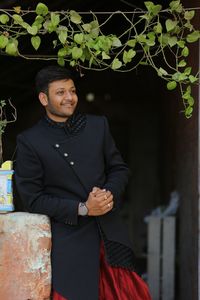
(71, 163)
(57, 145)
(65, 154)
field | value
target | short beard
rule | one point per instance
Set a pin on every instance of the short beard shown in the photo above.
(54, 112)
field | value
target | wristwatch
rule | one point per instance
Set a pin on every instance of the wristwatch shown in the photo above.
(82, 209)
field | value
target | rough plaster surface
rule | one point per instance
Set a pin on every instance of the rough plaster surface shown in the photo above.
(25, 269)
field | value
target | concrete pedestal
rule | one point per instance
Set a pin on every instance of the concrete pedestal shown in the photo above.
(25, 269)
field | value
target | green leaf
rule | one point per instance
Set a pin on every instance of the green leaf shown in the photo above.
(187, 93)
(132, 43)
(141, 38)
(76, 52)
(39, 19)
(176, 6)
(178, 76)
(91, 61)
(18, 19)
(55, 19)
(38, 22)
(25, 25)
(170, 24)
(150, 43)
(182, 77)
(193, 37)
(55, 43)
(189, 26)
(12, 47)
(147, 17)
(87, 54)
(116, 42)
(163, 39)
(33, 30)
(187, 71)
(78, 38)
(87, 27)
(72, 63)
(36, 41)
(3, 41)
(151, 35)
(158, 28)
(75, 17)
(4, 18)
(149, 5)
(181, 44)
(172, 41)
(162, 72)
(128, 55)
(193, 79)
(190, 101)
(103, 43)
(62, 52)
(49, 26)
(105, 55)
(189, 15)
(185, 52)
(116, 64)
(182, 63)
(188, 112)
(156, 9)
(152, 8)
(62, 35)
(38, 25)
(171, 85)
(61, 61)
(94, 29)
(17, 9)
(151, 39)
(41, 9)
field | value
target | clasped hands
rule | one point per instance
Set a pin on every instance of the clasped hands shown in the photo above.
(99, 202)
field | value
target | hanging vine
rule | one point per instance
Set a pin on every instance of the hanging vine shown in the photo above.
(148, 34)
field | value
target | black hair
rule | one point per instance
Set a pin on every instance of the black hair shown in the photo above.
(52, 73)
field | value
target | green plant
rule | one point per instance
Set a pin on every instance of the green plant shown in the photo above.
(4, 121)
(148, 34)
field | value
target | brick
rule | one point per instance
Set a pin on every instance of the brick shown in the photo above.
(25, 269)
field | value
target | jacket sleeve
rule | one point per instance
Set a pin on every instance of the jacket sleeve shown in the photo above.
(117, 172)
(29, 176)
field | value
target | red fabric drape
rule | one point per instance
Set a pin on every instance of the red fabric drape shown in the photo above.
(56, 296)
(117, 283)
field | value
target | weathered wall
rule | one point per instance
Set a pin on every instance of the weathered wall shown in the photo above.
(181, 173)
(187, 182)
(25, 270)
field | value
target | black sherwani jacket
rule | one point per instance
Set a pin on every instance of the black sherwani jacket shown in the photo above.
(55, 170)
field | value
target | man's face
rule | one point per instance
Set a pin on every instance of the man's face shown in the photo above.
(61, 100)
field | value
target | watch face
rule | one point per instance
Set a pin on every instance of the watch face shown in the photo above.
(83, 209)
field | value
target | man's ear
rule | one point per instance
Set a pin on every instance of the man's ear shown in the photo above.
(43, 99)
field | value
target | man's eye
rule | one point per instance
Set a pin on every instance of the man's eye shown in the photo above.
(60, 93)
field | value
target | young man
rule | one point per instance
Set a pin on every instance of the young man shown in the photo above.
(68, 168)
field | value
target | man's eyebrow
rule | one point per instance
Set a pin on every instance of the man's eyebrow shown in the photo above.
(62, 88)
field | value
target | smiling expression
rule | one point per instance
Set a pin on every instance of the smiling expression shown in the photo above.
(61, 100)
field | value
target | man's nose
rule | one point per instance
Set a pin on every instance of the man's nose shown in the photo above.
(68, 95)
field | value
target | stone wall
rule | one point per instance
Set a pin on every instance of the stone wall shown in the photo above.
(25, 269)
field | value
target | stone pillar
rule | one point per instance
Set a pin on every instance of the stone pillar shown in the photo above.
(25, 269)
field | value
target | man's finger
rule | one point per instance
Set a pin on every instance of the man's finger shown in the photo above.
(100, 193)
(95, 189)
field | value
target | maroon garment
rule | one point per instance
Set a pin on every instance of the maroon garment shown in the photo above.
(56, 296)
(117, 283)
